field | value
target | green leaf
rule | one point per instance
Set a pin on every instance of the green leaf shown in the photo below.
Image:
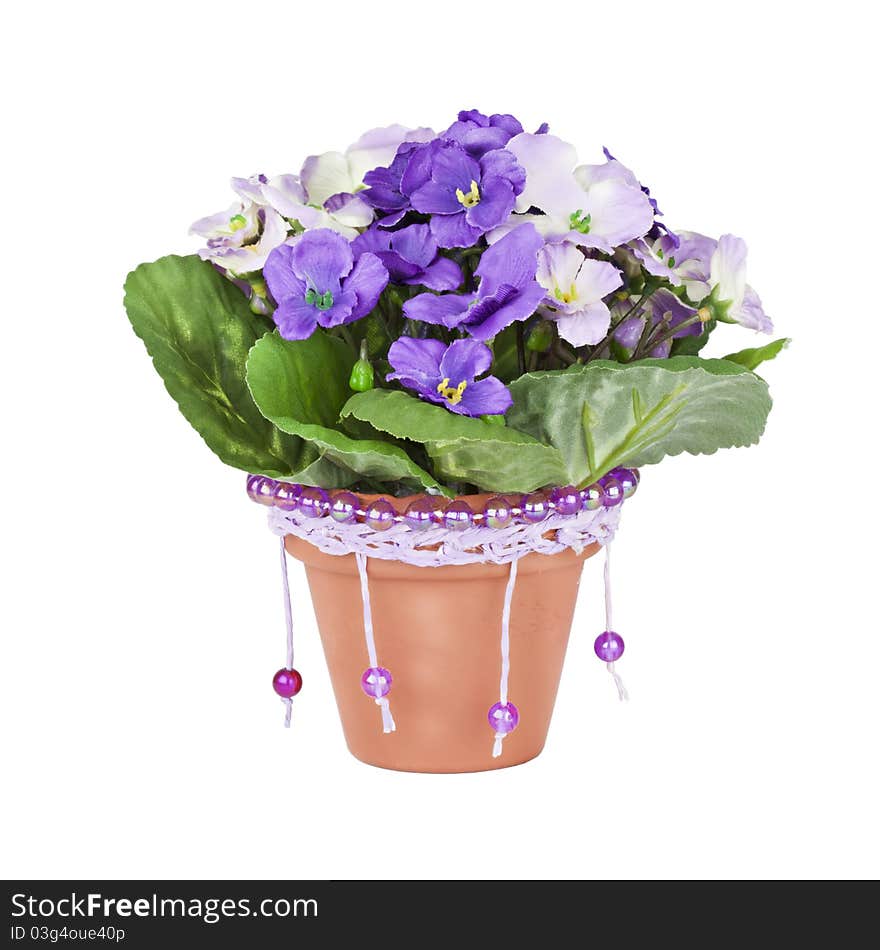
(492, 457)
(197, 326)
(753, 358)
(691, 345)
(605, 414)
(301, 386)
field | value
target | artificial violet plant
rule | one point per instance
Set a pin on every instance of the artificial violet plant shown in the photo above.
(467, 310)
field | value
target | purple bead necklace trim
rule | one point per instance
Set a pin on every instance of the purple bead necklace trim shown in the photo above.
(427, 511)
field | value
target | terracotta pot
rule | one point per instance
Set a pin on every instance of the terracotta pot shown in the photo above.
(437, 630)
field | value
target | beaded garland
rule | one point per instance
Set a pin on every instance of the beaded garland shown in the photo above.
(433, 531)
(425, 511)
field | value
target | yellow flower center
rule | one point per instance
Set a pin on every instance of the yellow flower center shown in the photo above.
(452, 393)
(566, 296)
(237, 222)
(471, 198)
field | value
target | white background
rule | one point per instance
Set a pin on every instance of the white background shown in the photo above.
(142, 616)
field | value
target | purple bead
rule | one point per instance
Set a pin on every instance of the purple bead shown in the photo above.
(609, 646)
(497, 513)
(379, 514)
(535, 507)
(628, 480)
(313, 502)
(458, 516)
(503, 717)
(567, 501)
(287, 683)
(376, 682)
(287, 496)
(612, 491)
(261, 489)
(343, 506)
(591, 498)
(421, 513)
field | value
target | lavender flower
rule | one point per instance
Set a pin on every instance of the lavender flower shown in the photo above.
(240, 239)
(575, 287)
(478, 133)
(597, 206)
(508, 290)
(465, 197)
(718, 269)
(447, 375)
(411, 256)
(316, 282)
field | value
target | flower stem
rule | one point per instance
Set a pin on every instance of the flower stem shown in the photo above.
(520, 347)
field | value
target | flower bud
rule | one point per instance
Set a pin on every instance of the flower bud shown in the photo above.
(362, 376)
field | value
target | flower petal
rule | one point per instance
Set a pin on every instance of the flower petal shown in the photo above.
(453, 230)
(443, 274)
(452, 166)
(587, 326)
(326, 175)
(465, 360)
(558, 266)
(751, 312)
(727, 270)
(322, 258)
(596, 279)
(502, 163)
(285, 194)
(447, 310)
(496, 203)
(483, 325)
(548, 164)
(415, 359)
(436, 198)
(296, 319)
(415, 244)
(618, 212)
(351, 211)
(279, 275)
(341, 311)
(485, 397)
(367, 281)
(512, 260)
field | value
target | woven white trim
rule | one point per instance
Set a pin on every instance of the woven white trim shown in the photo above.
(439, 546)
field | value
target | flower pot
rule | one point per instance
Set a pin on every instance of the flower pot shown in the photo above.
(437, 630)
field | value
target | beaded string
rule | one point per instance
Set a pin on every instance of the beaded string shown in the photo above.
(503, 716)
(376, 680)
(622, 694)
(287, 682)
(288, 620)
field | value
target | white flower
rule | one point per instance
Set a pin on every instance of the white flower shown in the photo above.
(575, 287)
(599, 206)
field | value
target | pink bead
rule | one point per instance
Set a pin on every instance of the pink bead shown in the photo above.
(376, 682)
(609, 646)
(612, 491)
(503, 717)
(421, 513)
(567, 501)
(313, 502)
(497, 513)
(287, 683)
(535, 507)
(261, 489)
(287, 495)
(591, 498)
(344, 506)
(379, 514)
(458, 516)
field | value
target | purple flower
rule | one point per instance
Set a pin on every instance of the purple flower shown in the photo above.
(478, 133)
(316, 282)
(446, 375)
(411, 256)
(508, 289)
(464, 196)
(384, 184)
